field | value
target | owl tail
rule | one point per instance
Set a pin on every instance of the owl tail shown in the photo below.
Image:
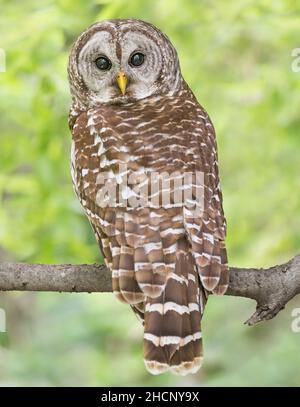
(172, 337)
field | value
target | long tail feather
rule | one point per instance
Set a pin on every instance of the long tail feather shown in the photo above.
(172, 338)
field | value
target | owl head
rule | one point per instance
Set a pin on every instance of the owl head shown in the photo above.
(118, 61)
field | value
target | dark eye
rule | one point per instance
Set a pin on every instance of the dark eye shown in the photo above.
(103, 63)
(137, 59)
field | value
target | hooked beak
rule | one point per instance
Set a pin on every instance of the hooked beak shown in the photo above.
(122, 82)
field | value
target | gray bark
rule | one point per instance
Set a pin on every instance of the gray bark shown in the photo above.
(271, 288)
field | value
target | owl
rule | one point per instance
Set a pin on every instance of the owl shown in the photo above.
(145, 169)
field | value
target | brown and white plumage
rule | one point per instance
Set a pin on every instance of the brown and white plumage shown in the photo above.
(164, 260)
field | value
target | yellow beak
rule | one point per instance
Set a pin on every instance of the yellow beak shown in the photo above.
(122, 82)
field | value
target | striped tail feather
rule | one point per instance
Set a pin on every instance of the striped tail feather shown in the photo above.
(172, 336)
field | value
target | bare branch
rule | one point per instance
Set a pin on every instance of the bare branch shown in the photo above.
(272, 288)
(55, 277)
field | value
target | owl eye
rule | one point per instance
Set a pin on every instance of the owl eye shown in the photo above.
(137, 59)
(103, 63)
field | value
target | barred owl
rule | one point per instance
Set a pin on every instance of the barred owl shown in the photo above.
(134, 118)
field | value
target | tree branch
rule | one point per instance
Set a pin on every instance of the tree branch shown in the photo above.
(271, 288)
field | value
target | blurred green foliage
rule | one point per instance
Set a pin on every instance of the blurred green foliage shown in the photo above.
(236, 56)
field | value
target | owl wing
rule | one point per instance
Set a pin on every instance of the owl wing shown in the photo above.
(207, 232)
(85, 170)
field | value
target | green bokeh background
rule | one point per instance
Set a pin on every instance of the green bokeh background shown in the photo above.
(236, 56)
